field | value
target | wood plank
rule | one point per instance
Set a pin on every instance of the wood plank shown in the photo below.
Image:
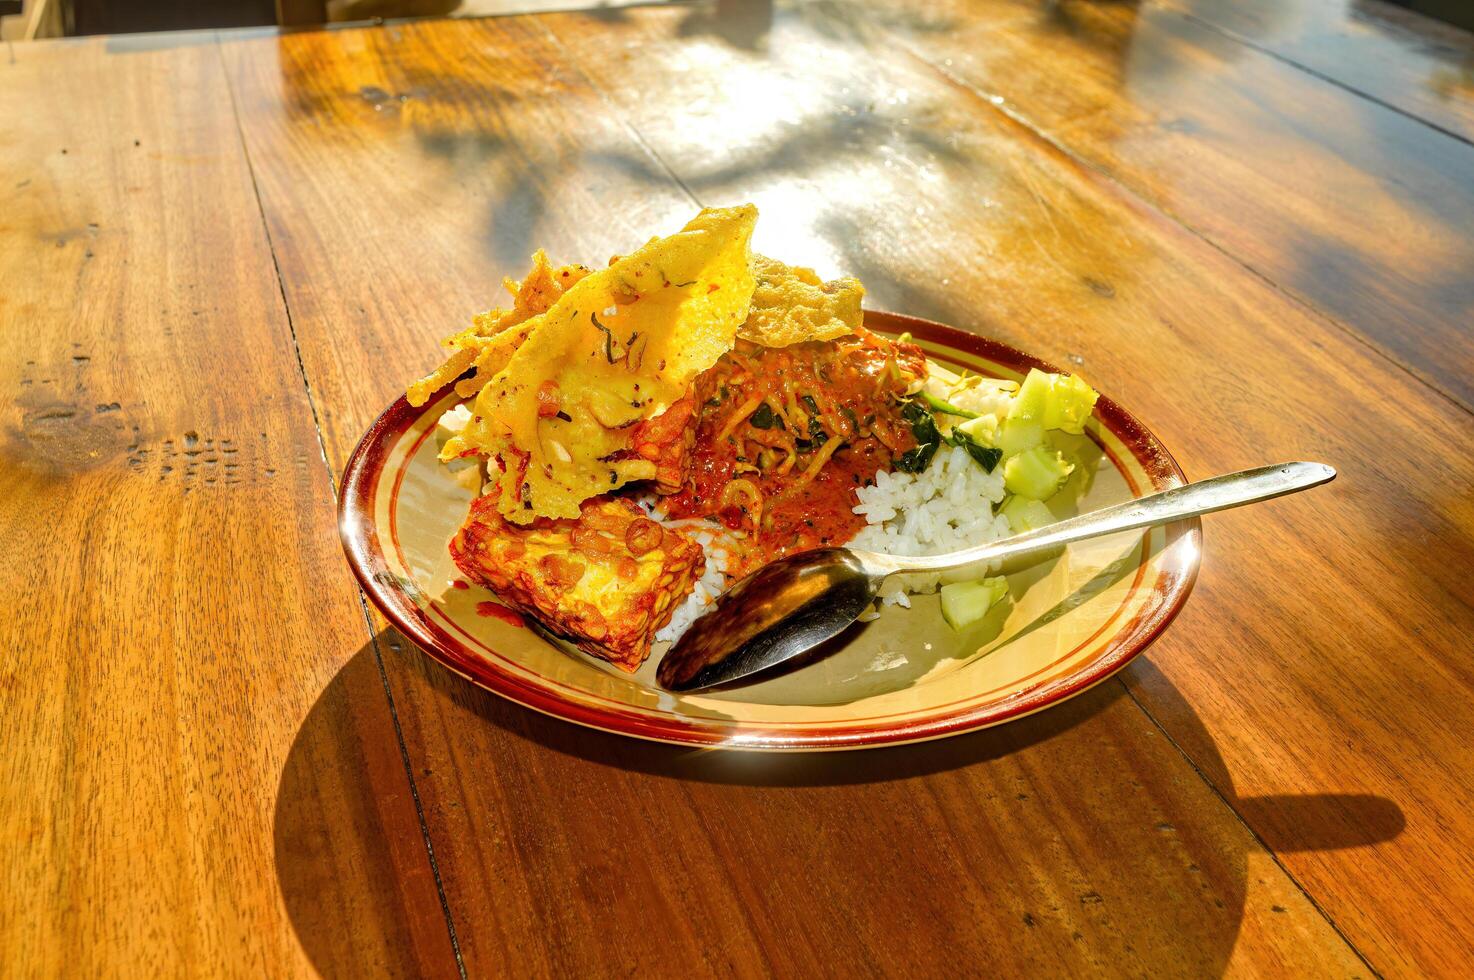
(567, 851)
(1320, 657)
(1350, 206)
(178, 603)
(1412, 62)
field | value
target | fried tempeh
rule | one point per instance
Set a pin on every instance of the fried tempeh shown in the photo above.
(607, 580)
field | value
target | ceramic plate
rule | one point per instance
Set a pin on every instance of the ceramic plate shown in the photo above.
(1071, 622)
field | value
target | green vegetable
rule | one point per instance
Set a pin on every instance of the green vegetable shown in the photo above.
(1069, 405)
(817, 435)
(916, 460)
(1019, 435)
(1033, 396)
(946, 408)
(928, 438)
(987, 456)
(763, 418)
(1056, 401)
(923, 426)
(1036, 473)
(977, 437)
(964, 603)
(982, 430)
(1025, 515)
(809, 402)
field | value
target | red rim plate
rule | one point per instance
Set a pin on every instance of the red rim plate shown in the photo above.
(366, 556)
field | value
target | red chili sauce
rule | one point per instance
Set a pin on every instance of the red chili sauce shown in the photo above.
(785, 435)
(495, 610)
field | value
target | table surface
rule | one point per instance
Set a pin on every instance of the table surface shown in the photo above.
(223, 254)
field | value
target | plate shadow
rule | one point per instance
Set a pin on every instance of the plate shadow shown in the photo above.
(355, 874)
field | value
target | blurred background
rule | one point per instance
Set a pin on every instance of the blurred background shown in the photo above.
(37, 19)
(34, 19)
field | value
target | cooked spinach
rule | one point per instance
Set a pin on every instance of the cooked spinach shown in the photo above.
(946, 408)
(916, 460)
(928, 438)
(987, 456)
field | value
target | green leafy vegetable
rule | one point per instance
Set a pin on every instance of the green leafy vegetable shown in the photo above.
(923, 426)
(946, 408)
(928, 438)
(979, 437)
(916, 460)
(987, 456)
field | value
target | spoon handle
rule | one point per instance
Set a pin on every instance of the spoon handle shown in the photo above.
(1179, 503)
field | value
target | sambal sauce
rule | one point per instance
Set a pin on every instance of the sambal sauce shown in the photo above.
(786, 434)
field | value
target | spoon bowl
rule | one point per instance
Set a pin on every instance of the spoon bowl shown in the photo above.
(787, 608)
(773, 615)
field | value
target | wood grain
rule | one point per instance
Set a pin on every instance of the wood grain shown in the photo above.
(1321, 651)
(1348, 205)
(177, 601)
(1411, 62)
(201, 767)
(564, 851)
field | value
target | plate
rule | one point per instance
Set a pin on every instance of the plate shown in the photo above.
(1070, 622)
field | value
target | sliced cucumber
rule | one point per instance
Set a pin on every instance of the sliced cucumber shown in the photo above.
(1036, 473)
(964, 603)
(1056, 401)
(1019, 435)
(1026, 515)
(1069, 404)
(981, 429)
(1033, 396)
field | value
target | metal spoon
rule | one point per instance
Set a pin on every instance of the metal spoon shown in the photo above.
(787, 608)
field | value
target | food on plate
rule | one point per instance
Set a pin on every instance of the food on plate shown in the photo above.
(488, 344)
(568, 415)
(787, 433)
(642, 435)
(791, 305)
(607, 580)
(965, 603)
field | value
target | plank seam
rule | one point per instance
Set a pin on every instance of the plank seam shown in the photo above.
(997, 104)
(1273, 856)
(635, 134)
(333, 483)
(414, 791)
(1023, 123)
(1314, 73)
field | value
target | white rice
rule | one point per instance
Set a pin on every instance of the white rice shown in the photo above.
(947, 507)
(717, 542)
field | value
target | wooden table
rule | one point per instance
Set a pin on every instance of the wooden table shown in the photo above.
(222, 255)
